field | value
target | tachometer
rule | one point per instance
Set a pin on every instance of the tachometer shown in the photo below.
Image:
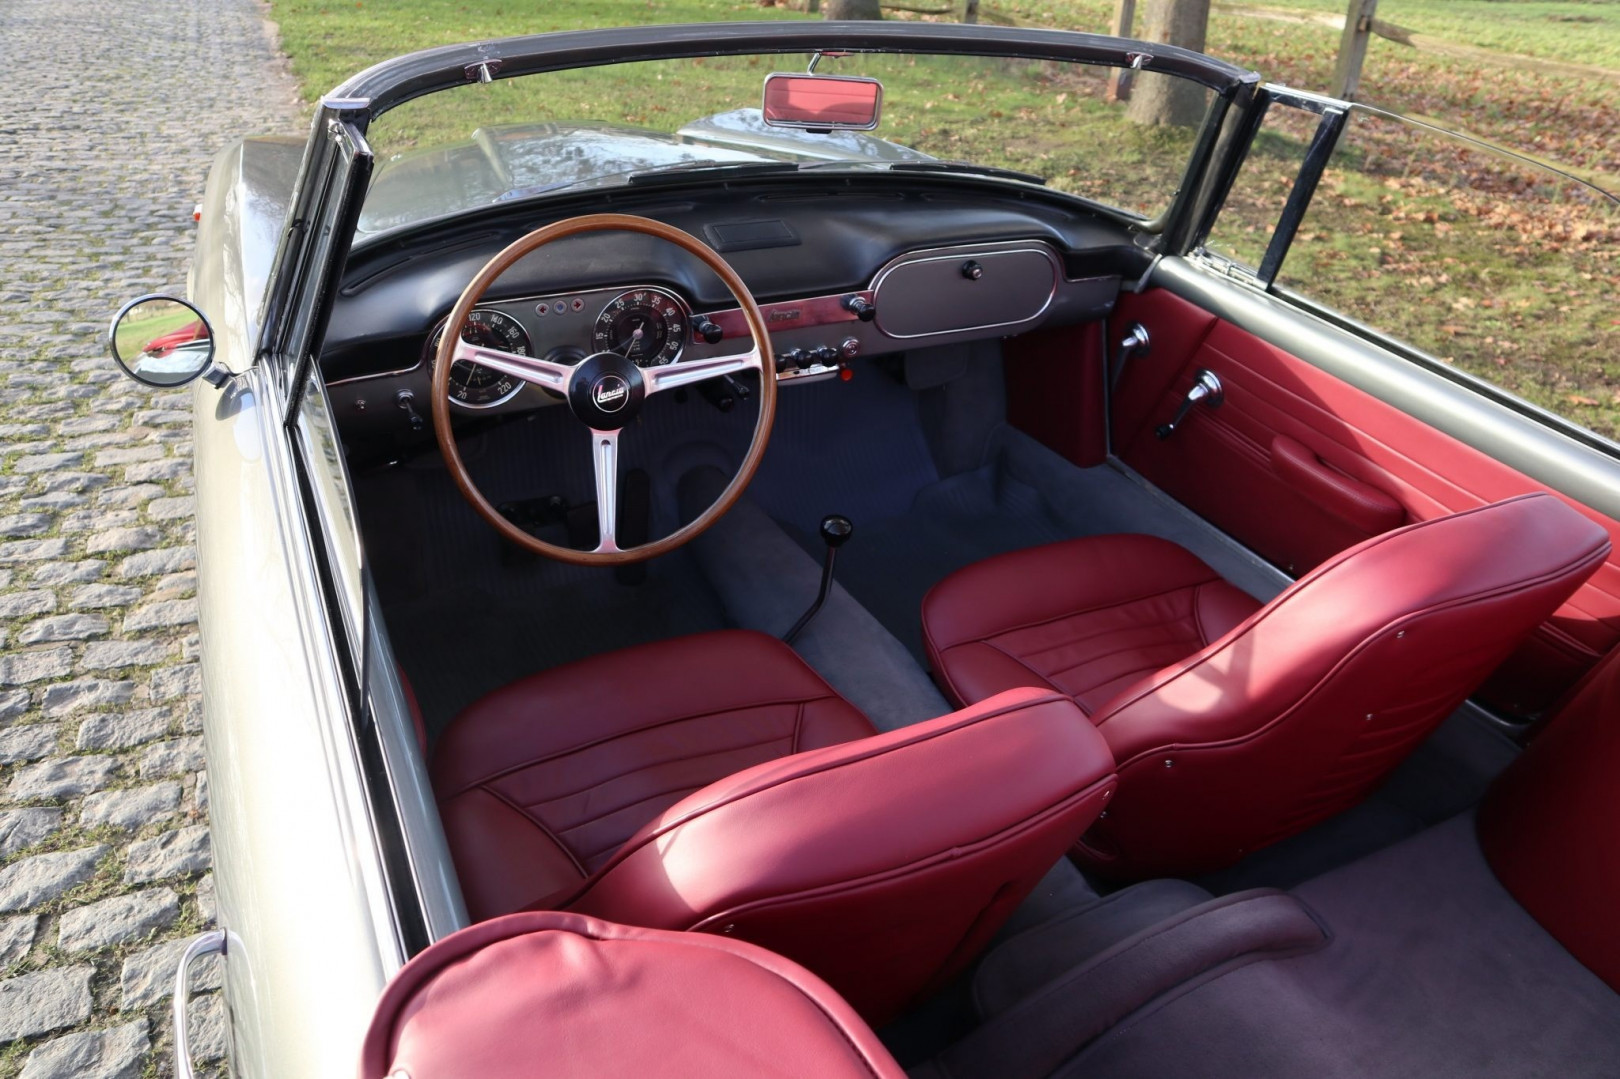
(645, 325)
(470, 384)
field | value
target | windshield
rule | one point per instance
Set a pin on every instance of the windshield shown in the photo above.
(523, 137)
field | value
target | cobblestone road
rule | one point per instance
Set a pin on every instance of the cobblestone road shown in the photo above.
(109, 115)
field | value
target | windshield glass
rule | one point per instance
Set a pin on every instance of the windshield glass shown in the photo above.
(521, 137)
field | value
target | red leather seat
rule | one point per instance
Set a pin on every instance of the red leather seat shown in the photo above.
(883, 863)
(1236, 725)
(569, 997)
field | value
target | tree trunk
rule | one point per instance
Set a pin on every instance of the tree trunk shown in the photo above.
(1163, 99)
(852, 9)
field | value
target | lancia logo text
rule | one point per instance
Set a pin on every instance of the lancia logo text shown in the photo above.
(610, 393)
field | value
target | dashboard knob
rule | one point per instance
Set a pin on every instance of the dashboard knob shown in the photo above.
(850, 348)
(826, 354)
(860, 307)
(708, 329)
(972, 270)
(793, 359)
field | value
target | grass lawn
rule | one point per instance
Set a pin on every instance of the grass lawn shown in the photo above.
(1502, 270)
(149, 322)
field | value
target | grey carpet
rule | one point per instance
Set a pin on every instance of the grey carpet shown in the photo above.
(1433, 971)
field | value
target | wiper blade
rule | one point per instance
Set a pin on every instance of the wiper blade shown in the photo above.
(967, 168)
(676, 174)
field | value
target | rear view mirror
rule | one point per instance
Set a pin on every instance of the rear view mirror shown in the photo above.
(161, 341)
(822, 102)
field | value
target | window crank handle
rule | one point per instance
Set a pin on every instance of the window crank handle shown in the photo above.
(1206, 388)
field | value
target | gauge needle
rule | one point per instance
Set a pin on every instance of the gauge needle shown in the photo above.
(635, 339)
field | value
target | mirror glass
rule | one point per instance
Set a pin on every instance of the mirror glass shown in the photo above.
(822, 101)
(161, 341)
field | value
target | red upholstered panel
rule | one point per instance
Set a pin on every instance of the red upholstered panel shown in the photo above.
(1228, 466)
(1550, 826)
(569, 997)
(1086, 617)
(1055, 390)
(541, 781)
(884, 865)
(1300, 711)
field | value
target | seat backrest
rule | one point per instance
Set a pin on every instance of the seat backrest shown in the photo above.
(1298, 712)
(1550, 824)
(883, 865)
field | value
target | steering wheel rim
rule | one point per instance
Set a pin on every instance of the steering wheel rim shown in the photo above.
(589, 384)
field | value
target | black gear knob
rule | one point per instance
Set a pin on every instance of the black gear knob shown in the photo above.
(836, 530)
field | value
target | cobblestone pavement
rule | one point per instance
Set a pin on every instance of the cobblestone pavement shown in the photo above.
(110, 112)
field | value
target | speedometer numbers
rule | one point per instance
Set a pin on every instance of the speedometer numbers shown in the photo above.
(644, 325)
(471, 385)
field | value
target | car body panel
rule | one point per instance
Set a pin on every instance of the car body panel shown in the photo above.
(302, 895)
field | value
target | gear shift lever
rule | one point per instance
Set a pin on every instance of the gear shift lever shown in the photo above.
(835, 532)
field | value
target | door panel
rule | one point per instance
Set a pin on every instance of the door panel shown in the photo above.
(1299, 464)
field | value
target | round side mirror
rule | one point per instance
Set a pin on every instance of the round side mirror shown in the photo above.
(161, 341)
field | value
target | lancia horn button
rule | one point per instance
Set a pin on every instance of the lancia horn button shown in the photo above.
(610, 393)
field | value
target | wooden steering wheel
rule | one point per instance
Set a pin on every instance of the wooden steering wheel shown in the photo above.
(605, 392)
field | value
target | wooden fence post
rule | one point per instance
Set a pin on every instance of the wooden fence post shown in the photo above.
(1353, 48)
(970, 10)
(1119, 80)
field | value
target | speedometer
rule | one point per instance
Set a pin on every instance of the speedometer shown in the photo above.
(644, 325)
(475, 386)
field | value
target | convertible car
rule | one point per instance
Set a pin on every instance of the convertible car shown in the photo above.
(863, 575)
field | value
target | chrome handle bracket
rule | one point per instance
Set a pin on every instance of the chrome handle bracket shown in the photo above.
(210, 943)
(1206, 388)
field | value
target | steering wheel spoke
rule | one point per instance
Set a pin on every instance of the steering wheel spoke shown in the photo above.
(553, 376)
(605, 459)
(686, 372)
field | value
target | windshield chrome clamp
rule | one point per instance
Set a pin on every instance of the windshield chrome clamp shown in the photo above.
(1139, 59)
(483, 71)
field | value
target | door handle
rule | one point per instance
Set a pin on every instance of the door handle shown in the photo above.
(210, 943)
(1363, 505)
(1206, 388)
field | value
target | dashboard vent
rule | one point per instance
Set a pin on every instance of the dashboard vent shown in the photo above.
(750, 235)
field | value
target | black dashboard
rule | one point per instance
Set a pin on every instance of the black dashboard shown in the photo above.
(842, 272)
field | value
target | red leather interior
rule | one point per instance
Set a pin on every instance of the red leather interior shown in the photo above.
(1300, 710)
(1550, 825)
(882, 862)
(884, 865)
(540, 782)
(1225, 464)
(1086, 618)
(569, 997)
(1052, 378)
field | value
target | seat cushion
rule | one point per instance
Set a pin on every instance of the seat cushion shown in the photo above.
(1086, 617)
(561, 995)
(540, 782)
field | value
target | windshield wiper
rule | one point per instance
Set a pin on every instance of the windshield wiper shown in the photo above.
(676, 174)
(967, 168)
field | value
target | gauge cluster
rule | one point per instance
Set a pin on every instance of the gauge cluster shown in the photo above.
(646, 324)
